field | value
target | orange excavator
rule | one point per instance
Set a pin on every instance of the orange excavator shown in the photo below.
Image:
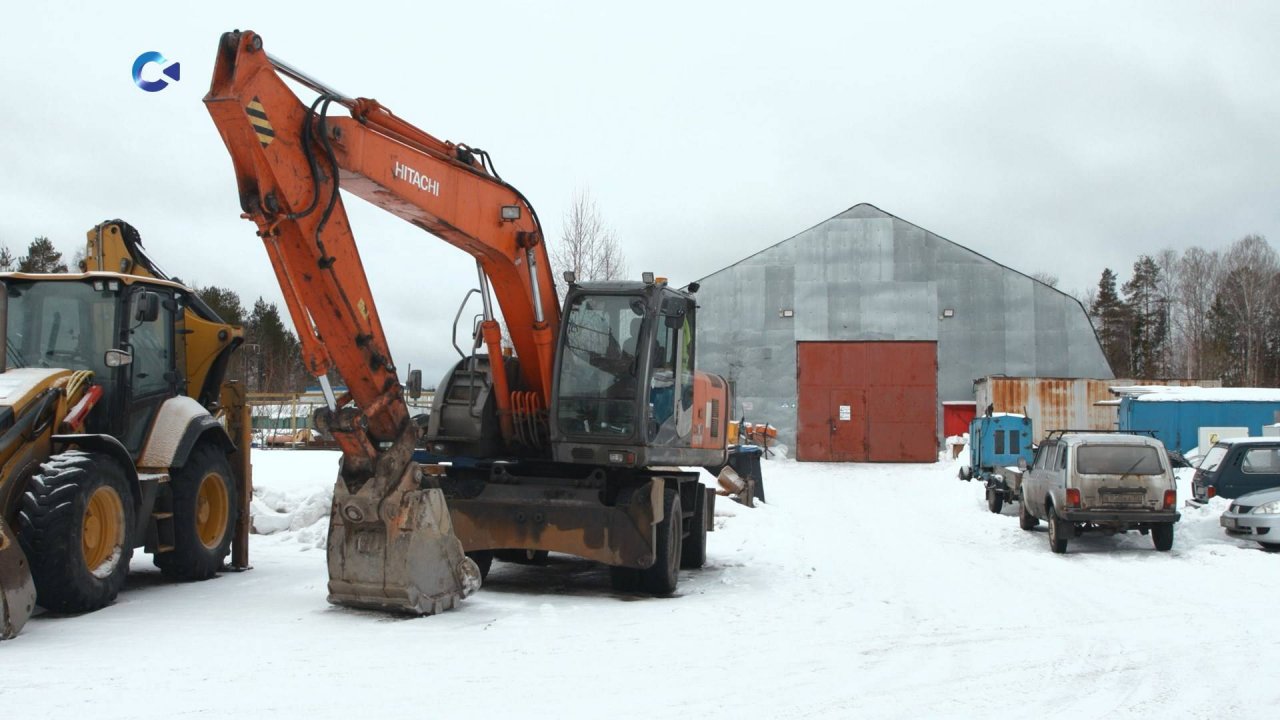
(572, 445)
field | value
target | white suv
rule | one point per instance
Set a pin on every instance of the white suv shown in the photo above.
(1100, 482)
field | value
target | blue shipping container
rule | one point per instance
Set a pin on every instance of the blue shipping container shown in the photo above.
(1177, 423)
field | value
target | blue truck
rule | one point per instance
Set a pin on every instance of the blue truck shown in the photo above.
(996, 442)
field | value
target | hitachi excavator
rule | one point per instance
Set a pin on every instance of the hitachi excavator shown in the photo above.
(572, 445)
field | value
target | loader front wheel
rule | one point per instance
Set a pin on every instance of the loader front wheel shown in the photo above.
(661, 577)
(204, 512)
(74, 526)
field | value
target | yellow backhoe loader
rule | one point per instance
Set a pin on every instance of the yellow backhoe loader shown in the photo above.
(117, 431)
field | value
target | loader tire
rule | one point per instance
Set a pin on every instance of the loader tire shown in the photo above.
(204, 516)
(1026, 520)
(663, 575)
(693, 551)
(74, 525)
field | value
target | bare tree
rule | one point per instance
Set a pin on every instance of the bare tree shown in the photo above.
(1199, 274)
(587, 245)
(1047, 278)
(1172, 359)
(1251, 263)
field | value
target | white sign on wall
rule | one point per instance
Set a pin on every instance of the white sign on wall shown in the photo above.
(846, 412)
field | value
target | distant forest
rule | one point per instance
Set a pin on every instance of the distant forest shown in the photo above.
(1202, 314)
(1197, 313)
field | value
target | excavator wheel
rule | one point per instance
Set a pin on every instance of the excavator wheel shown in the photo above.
(204, 516)
(74, 527)
(483, 560)
(693, 550)
(661, 577)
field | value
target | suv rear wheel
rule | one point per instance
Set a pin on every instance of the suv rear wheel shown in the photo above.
(1057, 532)
(1162, 536)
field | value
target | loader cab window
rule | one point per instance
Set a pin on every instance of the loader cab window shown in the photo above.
(59, 324)
(600, 365)
(152, 346)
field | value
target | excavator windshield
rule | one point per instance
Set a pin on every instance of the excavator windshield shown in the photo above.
(600, 370)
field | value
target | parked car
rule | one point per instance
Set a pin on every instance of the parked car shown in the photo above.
(1255, 516)
(1236, 467)
(1100, 482)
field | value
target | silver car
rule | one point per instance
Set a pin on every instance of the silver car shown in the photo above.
(1256, 517)
(1100, 482)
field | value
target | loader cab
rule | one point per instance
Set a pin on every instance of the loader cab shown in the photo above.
(123, 331)
(624, 376)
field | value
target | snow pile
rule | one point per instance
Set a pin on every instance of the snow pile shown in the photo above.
(274, 512)
(292, 494)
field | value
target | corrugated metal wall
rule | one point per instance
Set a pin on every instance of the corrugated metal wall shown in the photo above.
(867, 275)
(1060, 403)
(1177, 423)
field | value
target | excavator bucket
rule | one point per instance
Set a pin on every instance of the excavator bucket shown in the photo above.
(17, 587)
(396, 552)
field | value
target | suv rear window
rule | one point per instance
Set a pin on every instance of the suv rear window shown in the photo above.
(1213, 458)
(1118, 460)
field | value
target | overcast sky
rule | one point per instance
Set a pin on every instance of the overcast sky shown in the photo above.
(1060, 138)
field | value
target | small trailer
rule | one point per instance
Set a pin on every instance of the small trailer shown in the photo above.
(996, 442)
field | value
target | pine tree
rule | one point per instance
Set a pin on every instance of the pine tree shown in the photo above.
(225, 302)
(7, 260)
(1111, 321)
(42, 257)
(1148, 317)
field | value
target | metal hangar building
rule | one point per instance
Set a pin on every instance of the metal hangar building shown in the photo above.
(850, 336)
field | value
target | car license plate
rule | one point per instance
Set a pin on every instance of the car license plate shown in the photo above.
(1126, 498)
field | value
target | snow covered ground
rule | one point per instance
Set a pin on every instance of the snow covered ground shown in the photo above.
(858, 591)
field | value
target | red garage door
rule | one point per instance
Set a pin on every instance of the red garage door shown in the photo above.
(867, 401)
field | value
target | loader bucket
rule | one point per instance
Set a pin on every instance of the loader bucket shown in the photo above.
(17, 587)
(397, 552)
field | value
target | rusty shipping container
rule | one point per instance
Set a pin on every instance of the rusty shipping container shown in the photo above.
(1058, 403)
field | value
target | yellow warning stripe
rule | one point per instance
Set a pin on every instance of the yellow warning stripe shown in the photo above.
(261, 125)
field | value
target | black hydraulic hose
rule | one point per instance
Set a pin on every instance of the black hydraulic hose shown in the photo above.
(311, 162)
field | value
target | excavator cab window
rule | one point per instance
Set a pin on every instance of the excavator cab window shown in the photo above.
(671, 380)
(600, 369)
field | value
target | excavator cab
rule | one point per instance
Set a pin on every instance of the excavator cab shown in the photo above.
(626, 389)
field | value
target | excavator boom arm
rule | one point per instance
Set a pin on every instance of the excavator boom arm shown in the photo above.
(286, 155)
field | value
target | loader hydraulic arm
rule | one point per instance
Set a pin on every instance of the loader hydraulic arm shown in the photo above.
(287, 155)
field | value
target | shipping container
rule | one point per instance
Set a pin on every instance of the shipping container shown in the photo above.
(1177, 416)
(1061, 403)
